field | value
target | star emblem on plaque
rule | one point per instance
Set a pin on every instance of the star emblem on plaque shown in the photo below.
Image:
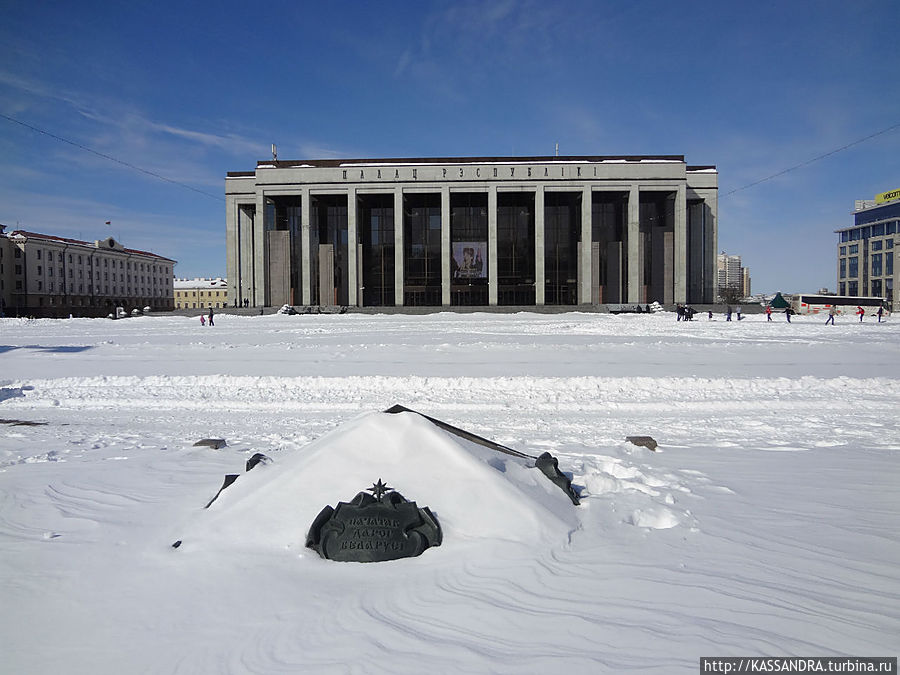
(374, 527)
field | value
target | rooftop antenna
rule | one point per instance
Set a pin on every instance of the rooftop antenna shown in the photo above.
(557, 149)
(274, 152)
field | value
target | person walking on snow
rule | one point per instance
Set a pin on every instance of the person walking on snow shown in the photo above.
(202, 320)
(831, 313)
(768, 312)
(861, 312)
(211, 316)
(787, 313)
(880, 313)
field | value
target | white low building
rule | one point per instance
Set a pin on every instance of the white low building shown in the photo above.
(201, 293)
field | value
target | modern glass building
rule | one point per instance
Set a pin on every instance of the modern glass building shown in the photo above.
(472, 231)
(866, 251)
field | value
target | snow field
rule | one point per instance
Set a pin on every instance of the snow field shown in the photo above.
(766, 524)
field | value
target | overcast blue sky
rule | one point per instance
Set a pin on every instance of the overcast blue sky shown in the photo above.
(190, 91)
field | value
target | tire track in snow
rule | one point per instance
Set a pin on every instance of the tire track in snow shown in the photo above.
(375, 392)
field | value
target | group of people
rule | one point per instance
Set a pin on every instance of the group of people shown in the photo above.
(684, 312)
(788, 313)
(204, 320)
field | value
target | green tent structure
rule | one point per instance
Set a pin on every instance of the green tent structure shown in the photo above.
(779, 302)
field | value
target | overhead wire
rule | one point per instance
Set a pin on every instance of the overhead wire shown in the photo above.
(219, 198)
(110, 158)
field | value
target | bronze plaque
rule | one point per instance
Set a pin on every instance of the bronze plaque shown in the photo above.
(374, 528)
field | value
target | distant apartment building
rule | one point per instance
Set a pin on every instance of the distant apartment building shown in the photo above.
(732, 280)
(866, 250)
(43, 275)
(200, 293)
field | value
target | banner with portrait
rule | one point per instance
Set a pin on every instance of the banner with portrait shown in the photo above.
(469, 260)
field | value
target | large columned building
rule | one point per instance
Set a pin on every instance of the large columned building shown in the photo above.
(482, 231)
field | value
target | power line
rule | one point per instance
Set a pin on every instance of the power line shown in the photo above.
(111, 159)
(814, 159)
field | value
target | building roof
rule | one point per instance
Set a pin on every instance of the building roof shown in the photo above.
(430, 161)
(182, 284)
(77, 242)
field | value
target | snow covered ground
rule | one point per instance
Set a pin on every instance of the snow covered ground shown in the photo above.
(767, 524)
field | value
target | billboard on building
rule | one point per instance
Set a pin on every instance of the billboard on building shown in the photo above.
(887, 196)
(468, 259)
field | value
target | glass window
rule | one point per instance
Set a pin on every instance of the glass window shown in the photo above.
(878, 230)
(889, 264)
(843, 265)
(853, 270)
(889, 243)
(515, 248)
(891, 227)
(38, 254)
(18, 253)
(876, 265)
(854, 248)
(853, 288)
(876, 287)
(845, 236)
(876, 245)
(422, 249)
(562, 228)
(843, 250)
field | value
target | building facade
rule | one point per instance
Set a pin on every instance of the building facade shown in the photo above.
(866, 252)
(47, 276)
(6, 271)
(201, 293)
(472, 231)
(732, 278)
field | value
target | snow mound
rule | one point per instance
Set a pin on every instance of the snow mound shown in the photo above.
(475, 492)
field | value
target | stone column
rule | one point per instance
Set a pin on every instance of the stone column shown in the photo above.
(540, 281)
(584, 261)
(635, 262)
(259, 296)
(445, 246)
(232, 251)
(353, 299)
(712, 200)
(246, 248)
(306, 244)
(681, 243)
(492, 245)
(398, 247)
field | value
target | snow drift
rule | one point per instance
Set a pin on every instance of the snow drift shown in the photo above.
(475, 492)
